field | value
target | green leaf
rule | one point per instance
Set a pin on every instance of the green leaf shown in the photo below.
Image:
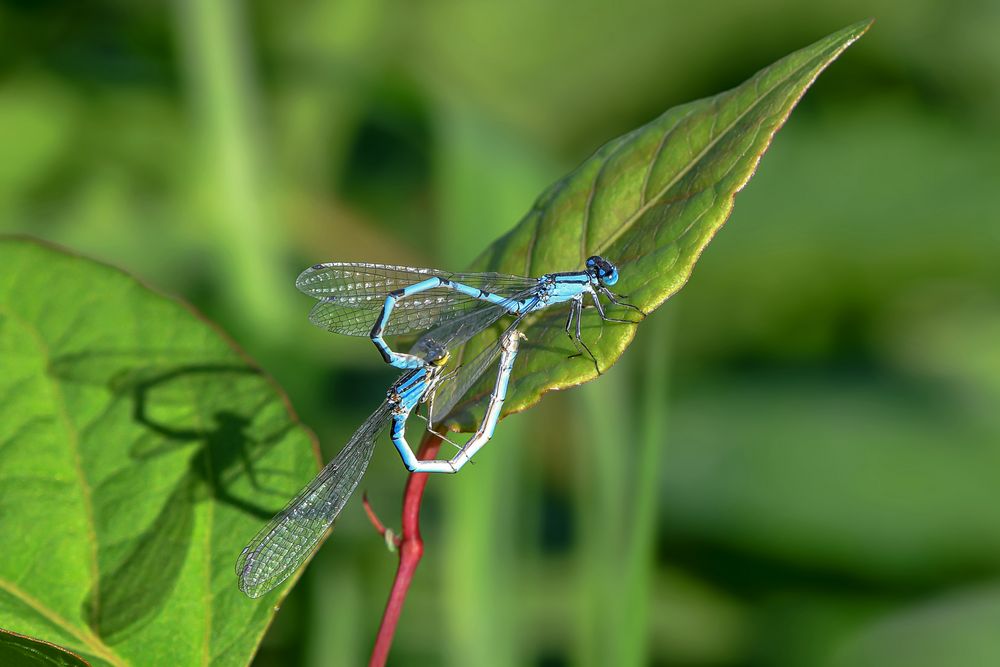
(20, 651)
(955, 628)
(139, 452)
(650, 201)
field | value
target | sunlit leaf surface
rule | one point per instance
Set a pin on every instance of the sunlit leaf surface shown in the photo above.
(650, 201)
(139, 451)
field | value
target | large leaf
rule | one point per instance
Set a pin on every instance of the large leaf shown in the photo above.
(650, 201)
(20, 651)
(139, 451)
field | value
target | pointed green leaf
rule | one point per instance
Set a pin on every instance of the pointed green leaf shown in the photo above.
(128, 431)
(20, 651)
(650, 201)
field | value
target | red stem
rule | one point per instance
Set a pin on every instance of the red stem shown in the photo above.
(411, 549)
(379, 526)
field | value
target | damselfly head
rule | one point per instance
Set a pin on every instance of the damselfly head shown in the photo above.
(605, 272)
(437, 354)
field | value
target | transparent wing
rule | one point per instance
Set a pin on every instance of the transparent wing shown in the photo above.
(458, 331)
(454, 386)
(352, 294)
(294, 533)
(360, 279)
(451, 390)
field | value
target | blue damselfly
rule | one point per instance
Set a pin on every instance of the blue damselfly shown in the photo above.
(295, 532)
(382, 300)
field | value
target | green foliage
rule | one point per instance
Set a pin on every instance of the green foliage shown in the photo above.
(142, 451)
(128, 431)
(830, 439)
(20, 651)
(650, 201)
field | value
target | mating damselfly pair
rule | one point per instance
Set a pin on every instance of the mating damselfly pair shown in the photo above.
(447, 309)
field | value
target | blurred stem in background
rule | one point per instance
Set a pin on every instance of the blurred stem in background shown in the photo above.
(651, 417)
(621, 445)
(486, 181)
(335, 51)
(230, 177)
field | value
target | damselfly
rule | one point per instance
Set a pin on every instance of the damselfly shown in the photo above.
(294, 533)
(383, 300)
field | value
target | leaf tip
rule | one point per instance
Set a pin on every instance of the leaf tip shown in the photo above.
(856, 30)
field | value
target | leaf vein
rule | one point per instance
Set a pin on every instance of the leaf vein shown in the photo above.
(630, 220)
(588, 208)
(644, 193)
(531, 248)
(88, 639)
(73, 436)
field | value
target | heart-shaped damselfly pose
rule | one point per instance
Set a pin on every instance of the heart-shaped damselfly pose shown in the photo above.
(382, 300)
(294, 533)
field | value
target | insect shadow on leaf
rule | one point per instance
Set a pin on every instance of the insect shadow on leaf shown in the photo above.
(209, 406)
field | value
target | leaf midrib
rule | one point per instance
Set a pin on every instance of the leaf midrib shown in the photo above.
(59, 406)
(207, 597)
(649, 203)
(754, 94)
(88, 639)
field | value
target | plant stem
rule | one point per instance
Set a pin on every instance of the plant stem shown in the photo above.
(411, 549)
(652, 423)
(619, 500)
(230, 171)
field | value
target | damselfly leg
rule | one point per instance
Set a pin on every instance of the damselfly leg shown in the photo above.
(293, 534)
(400, 300)
(508, 352)
(576, 336)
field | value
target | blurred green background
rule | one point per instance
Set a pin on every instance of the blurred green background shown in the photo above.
(798, 461)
